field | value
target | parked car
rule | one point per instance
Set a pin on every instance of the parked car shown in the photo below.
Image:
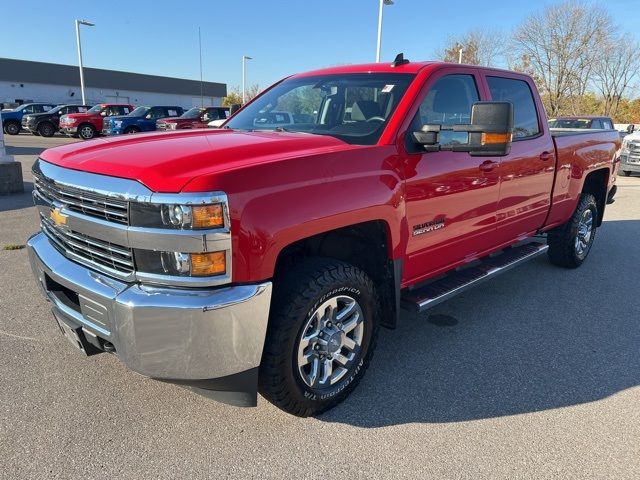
(89, 124)
(588, 122)
(48, 123)
(243, 259)
(630, 154)
(12, 119)
(142, 119)
(194, 118)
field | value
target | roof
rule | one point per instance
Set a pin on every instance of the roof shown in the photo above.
(26, 71)
(411, 67)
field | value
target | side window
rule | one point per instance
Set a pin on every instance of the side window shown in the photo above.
(172, 112)
(596, 123)
(449, 101)
(123, 110)
(525, 121)
(29, 109)
(155, 113)
(607, 124)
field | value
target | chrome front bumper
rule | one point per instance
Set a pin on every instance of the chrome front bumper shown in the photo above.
(628, 166)
(185, 335)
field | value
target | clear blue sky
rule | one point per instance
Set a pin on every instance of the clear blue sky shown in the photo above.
(284, 36)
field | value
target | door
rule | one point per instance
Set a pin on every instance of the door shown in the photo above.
(451, 197)
(527, 172)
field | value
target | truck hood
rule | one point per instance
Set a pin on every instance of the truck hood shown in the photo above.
(178, 120)
(82, 116)
(166, 162)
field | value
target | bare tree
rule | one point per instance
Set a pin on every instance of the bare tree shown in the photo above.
(479, 47)
(562, 44)
(234, 96)
(615, 71)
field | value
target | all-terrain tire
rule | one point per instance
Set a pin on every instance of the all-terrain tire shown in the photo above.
(297, 295)
(565, 248)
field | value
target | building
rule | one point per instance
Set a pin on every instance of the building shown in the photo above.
(23, 81)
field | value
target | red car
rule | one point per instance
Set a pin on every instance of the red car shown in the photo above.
(89, 124)
(195, 117)
(266, 255)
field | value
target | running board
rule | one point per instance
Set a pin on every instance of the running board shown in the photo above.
(423, 298)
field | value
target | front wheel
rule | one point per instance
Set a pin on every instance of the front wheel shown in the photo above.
(626, 173)
(570, 243)
(87, 131)
(130, 130)
(46, 129)
(12, 128)
(321, 336)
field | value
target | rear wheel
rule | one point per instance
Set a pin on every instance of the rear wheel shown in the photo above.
(570, 243)
(46, 129)
(626, 173)
(87, 131)
(321, 335)
(12, 128)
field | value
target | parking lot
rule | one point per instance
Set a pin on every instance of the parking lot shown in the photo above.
(535, 374)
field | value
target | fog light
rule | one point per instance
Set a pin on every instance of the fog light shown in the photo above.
(212, 263)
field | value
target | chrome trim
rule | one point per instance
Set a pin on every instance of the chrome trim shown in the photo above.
(116, 194)
(167, 333)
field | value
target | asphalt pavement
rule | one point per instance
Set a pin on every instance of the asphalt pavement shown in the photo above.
(535, 374)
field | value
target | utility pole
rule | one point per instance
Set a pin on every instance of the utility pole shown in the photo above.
(244, 61)
(201, 86)
(89, 24)
(460, 55)
(380, 11)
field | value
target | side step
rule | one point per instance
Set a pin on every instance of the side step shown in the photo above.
(431, 294)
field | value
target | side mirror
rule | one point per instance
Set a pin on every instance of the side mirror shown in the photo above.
(234, 108)
(631, 128)
(489, 133)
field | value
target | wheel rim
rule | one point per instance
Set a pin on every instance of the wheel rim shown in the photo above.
(331, 342)
(585, 232)
(12, 129)
(46, 131)
(86, 132)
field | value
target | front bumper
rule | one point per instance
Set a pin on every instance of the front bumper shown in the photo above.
(193, 337)
(630, 163)
(69, 130)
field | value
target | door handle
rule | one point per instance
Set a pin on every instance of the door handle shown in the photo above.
(487, 165)
(544, 156)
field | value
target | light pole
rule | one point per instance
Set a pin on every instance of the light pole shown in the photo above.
(88, 24)
(382, 4)
(244, 61)
(460, 54)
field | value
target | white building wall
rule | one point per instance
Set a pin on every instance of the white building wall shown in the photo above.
(40, 92)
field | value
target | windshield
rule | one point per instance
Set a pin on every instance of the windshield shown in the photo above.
(139, 111)
(352, 107)
(191, 113)
(569, 123)
(95, 109)
(56, 109)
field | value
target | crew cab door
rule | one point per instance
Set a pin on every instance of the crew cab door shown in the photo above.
(527, 173)
(451, 197)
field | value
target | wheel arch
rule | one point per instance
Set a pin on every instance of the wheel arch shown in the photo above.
(596, 183)
(367, 245)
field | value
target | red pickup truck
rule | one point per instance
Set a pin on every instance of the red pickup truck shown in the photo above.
(265, 258)
(89, 124)
(195, 117)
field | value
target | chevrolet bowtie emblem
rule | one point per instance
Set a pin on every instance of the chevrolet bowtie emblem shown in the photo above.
(58, 217)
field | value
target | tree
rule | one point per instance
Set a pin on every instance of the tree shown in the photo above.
(615, 70)
(234, 96)
(479, 47)
(562, 44)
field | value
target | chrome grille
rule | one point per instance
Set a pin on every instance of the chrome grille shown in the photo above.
(83, 202)
(87, 249)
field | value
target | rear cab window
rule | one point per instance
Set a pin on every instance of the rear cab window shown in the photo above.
(518, 92)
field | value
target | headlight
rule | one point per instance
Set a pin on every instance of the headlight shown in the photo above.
(181, 264)
(117, 123)
(172, 126)
(177, 216)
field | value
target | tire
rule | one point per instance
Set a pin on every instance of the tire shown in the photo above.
(34, 132)
(130, 130)
(304, 291)
(12, 128)
(570, 244)
(46, 129)
(626, 173)
(86, 131)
